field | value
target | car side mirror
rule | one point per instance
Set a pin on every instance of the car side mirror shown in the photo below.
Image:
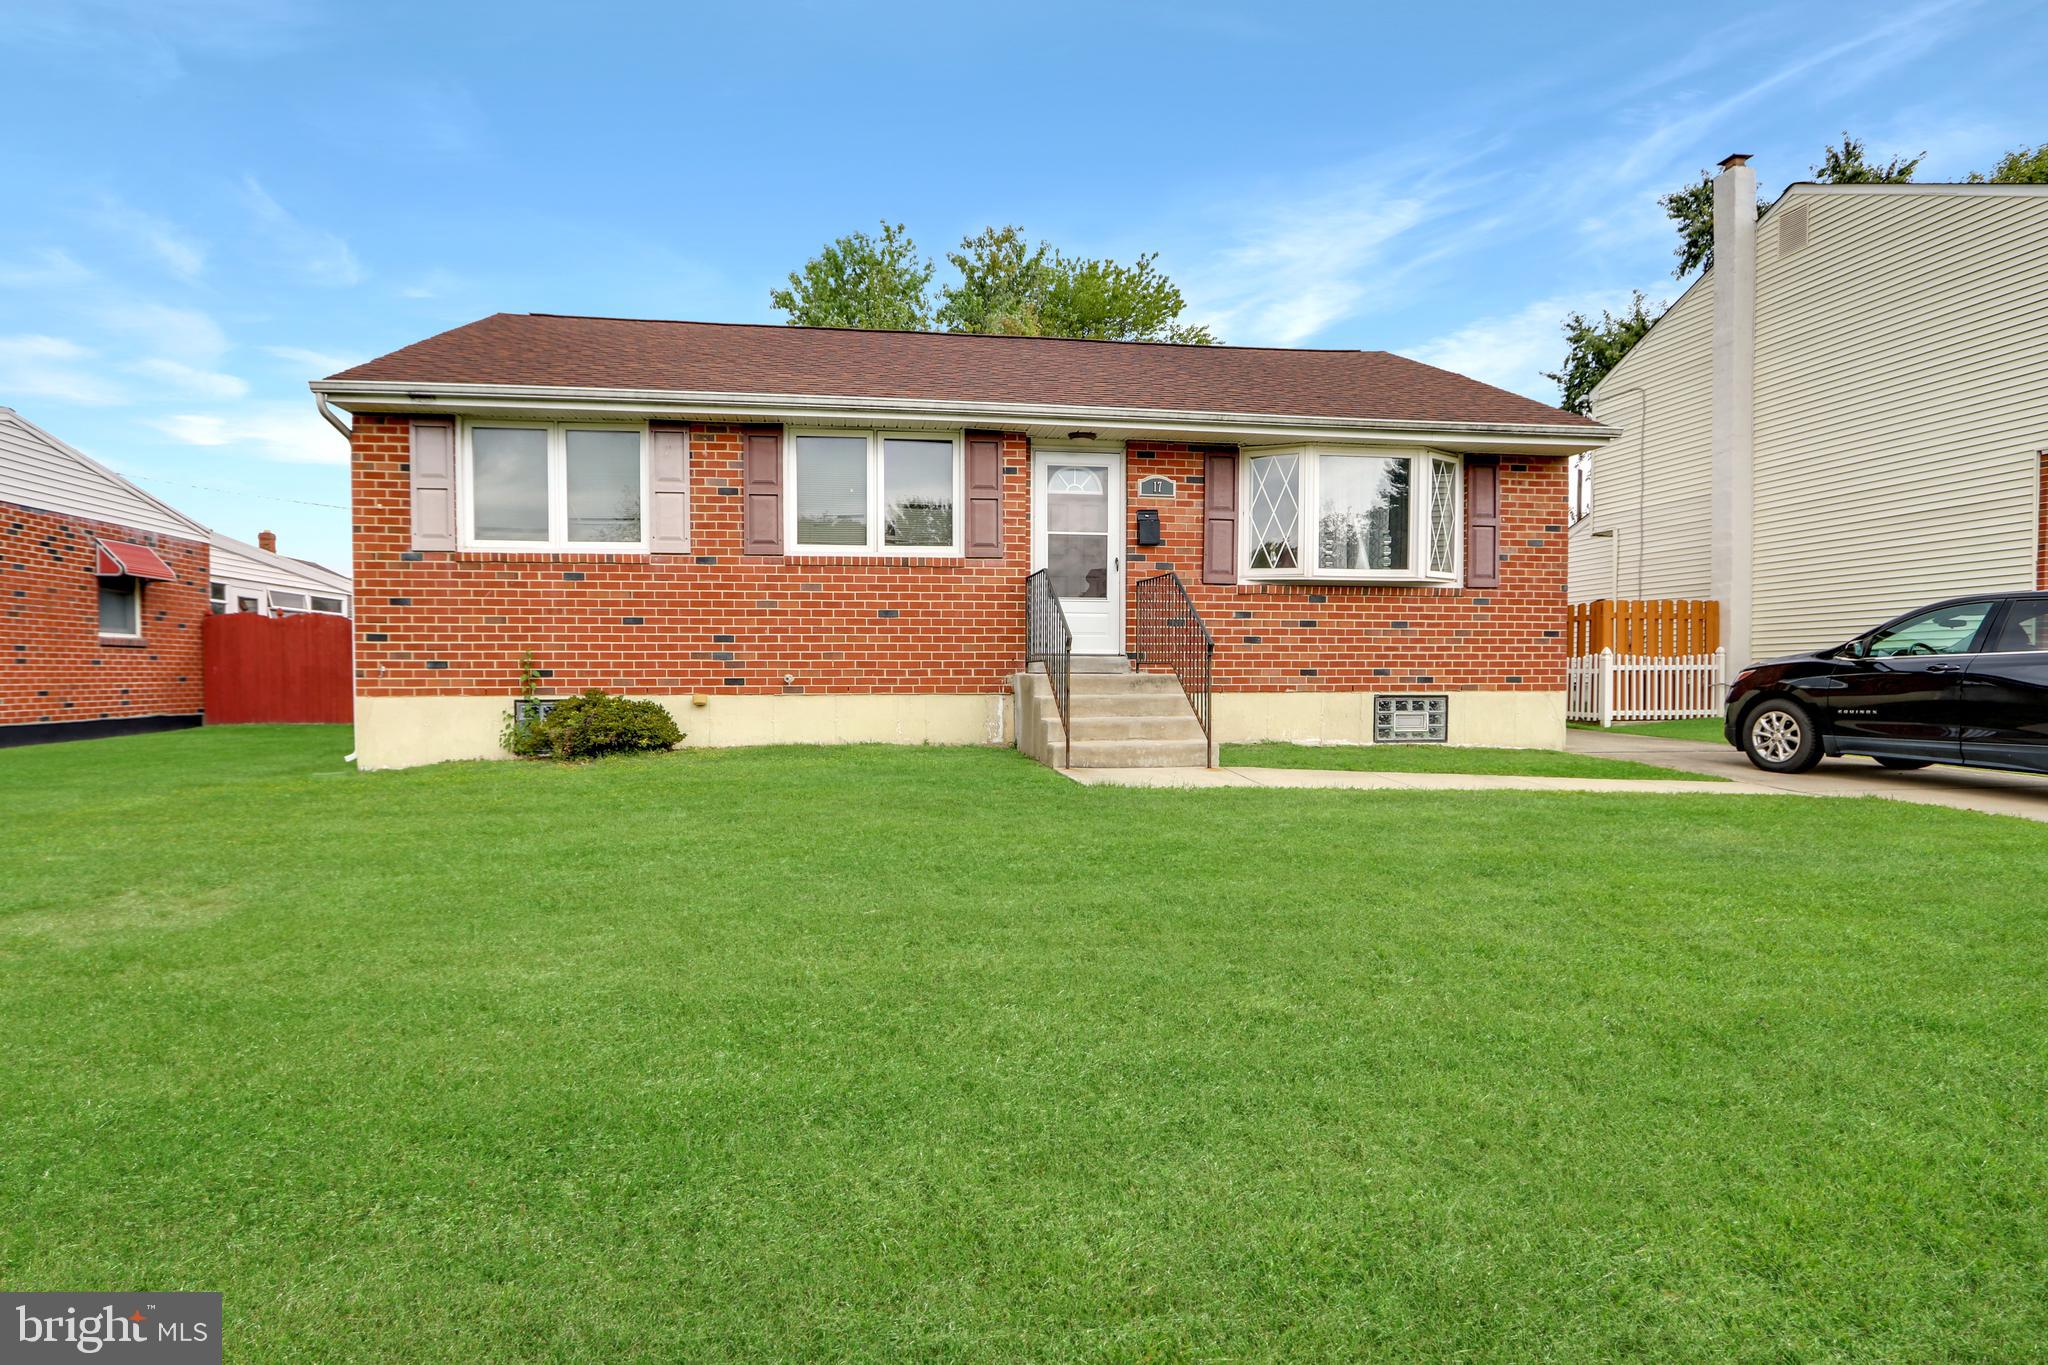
(1852, 650)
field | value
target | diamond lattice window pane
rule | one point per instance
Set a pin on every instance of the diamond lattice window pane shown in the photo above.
(1275, 512)
(1443, 516)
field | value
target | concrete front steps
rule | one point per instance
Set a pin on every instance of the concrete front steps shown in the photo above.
(1121, 719)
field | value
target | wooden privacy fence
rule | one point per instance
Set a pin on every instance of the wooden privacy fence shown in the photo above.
(292, 669)
(1650, 660)
(1663, 628)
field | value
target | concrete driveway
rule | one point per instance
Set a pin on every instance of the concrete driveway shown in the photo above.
(1977, 789)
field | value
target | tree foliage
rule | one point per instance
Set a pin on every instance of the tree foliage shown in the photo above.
(2023, 166)
(1691, 209)
(1847, 165)
(861, 281)
(1006, 286)
(1594, 348)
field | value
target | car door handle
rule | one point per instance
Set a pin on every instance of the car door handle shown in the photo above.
(1944, 668)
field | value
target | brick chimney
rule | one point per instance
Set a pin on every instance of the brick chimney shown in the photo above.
(267, 540)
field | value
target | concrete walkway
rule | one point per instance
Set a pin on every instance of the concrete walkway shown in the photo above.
(1978, 789)
(1958, 788)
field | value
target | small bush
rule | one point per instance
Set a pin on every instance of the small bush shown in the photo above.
(591, 724)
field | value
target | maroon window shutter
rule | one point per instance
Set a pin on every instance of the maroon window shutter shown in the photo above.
(1219, 519)
(432, 462)
(761, 486)
(668, 480)
(984, 495)
(1482, 521)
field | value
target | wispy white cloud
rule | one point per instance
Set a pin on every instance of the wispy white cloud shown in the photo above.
(431, 285)
(48, 268)
(291, 433)
(1514, 350)
(149, 41)
(191, 380)
(315, 362)
(37, 366)
(321, 256)
(164, 329)
(1287, 280)
(150, 234)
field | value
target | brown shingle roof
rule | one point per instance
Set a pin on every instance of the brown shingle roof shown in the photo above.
(545, 350)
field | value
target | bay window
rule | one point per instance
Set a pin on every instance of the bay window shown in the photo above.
(873, 492)
(1330, 512)
(555, 486)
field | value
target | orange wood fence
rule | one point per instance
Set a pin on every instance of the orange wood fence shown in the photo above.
(294, 669)
(1658, 629)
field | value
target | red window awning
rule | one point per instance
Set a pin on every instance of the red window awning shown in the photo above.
(118, 558)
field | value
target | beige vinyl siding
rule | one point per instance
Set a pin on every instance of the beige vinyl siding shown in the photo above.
(1651, 486)
(37, 470)
(1901, 395)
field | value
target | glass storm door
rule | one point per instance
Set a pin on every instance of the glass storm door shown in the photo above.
(1077, 534)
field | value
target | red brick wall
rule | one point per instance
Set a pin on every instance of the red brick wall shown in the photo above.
(1273, 637)
(57, 668)
(720, 622)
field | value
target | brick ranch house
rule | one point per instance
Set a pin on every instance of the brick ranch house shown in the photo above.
(103, 590)
(805, 535)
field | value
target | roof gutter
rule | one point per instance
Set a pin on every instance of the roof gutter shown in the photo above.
(392, 395)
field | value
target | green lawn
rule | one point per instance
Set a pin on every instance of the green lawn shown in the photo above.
(1706, 729)
(896, 1053)
(1439, 758)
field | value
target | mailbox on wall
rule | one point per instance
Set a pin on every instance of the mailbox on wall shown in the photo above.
(1148, 527)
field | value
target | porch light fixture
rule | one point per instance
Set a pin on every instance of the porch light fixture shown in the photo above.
(1080, 436)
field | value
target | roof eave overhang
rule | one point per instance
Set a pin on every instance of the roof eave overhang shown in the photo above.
(1242, 428)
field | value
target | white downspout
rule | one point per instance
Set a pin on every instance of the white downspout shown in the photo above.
(320, 403)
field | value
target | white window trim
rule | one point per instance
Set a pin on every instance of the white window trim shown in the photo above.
(875, 547)
(1309, 493)
(135, 600)
(558, 490)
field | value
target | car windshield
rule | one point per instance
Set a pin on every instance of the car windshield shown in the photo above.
(1945, 630)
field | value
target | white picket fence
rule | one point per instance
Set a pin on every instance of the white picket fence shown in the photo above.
(1609, 687)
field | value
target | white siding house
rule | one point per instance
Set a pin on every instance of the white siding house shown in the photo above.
(1889, 451)
(38, 470)
(255, 578)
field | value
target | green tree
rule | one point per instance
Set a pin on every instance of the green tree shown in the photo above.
(1009, 287)
(2026, 166)
(1845, 165)
(1006, 286)
(1594, 348)
(861, 281)
(1691, 209)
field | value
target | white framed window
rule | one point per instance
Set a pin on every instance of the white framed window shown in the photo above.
(872, 492)
(1352, 514)
(120, 607)
(287, 603)
(328, 606)
(217, 598)
(554, 485)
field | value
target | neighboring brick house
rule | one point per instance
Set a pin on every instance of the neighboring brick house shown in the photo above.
(803, 535)
(103, 590)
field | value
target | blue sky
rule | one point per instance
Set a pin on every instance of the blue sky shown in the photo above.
(207, 204)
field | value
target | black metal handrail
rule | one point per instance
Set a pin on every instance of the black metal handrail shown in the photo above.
(1170, 635)
(1049, 641)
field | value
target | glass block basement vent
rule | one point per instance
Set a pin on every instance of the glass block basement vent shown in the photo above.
(1410, 720)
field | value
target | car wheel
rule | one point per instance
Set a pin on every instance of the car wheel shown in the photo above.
(1779, 737)
(1904, 765)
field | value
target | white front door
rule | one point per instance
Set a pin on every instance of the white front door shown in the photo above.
(1077, 532)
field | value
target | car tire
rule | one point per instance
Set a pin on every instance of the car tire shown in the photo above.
(1905, 765)
(1780, 737)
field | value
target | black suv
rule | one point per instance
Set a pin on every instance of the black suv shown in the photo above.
(1963, 681)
